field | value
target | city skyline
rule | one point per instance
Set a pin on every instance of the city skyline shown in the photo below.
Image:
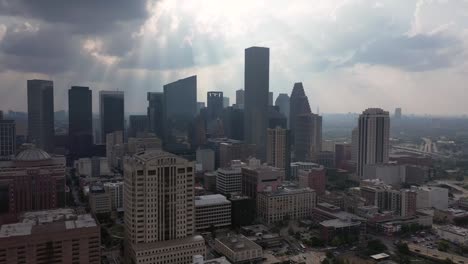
(343, 51)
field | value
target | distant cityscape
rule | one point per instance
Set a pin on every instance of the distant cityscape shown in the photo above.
(261, 180)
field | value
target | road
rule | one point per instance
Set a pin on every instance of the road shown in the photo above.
(436, 254)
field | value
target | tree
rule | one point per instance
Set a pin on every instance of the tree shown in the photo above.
(448, 261)
(443, 246)
(375, 246)
(291, 231)
(337, 241)
(403, 248)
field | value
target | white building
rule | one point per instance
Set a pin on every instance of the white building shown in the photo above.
(99, 200)
(206, 157)
(229, 180)
(115, 192)
(159, 209)
(212, 211)
(391, 174)
(238, 249)
(431, 197)
(297, 166)
(92, 167)
(454, 234)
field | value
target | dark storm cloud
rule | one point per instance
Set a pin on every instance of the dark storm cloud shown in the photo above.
(84, 16)
(412, 53)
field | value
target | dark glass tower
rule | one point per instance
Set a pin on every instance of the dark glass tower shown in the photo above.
(214, 105)
(256, 78)
(80, 121)
(156, 113)
(111, 112)
(138, 125)
(41, 114)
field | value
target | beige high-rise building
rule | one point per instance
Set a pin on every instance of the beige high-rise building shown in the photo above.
(278, 147)
(159, 209)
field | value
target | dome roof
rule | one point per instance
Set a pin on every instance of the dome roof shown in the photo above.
(32, 154)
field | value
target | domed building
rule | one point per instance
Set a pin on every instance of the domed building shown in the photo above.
(33, 180)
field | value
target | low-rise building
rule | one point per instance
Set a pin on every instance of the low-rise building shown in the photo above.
(238, 249)
(115, 192)
(431, 197)
(314, 178)
(92, 167)
(99, 200)
(199, 259)
(301, 165)
(243, 210)
(229, 179)
(52, 236)
(275, 206)
(454, 234)
(212, 211)
(348, 229)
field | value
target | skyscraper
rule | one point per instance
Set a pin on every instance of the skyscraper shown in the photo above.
(180, 100)
(41, 114)
(80, 121)
(214, 105)
(226, 102)
(156, 113)
(308, 139)
(233, 123)
(299, 105)
(374, 136)
(279, 149)
(256, 78)
(240, 99)
(398, 113)
(138, 125)
(7, 138)
(270, 98)
(282, 101)
(111, 112)
(159, 209)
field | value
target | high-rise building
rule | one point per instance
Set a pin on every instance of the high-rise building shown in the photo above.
(111, 105)
(115, 149)
(159, 209)
(33, 180)
(229, 151)
(258, 178)
(282, 101)
(398, 113)
(206, 158)
(257, 78)
(343, 153)
(276, 118)
(80, 121)
(374, 137)
(355, 144)
(314, 178)
(229, 179)
(180, 100)
(214, 105)
(7, 138)
(279, 149)
(226, 102)
(138, 126)
(233, 123)
(240, 99)
(41, 114)
(51, 236)
(156, 113)
(299, 105)
(270, 99)
(212, 211)
(308, 137)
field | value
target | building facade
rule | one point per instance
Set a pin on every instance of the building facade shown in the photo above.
(314, 178)
(155, 113)
(159, 209)
(238, 249)
(138, 126)
(212, 211)
(111, 111)
(240, 99)
(282, 102)
(41, 114)
(279, 149)
(258, 178)
(7, 139)
(308, 137)
(229, 179)
(80, 121)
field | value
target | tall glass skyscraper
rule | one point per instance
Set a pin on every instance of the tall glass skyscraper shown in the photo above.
(256, 78)
(111, 105)
(41, 114)
(80, 121)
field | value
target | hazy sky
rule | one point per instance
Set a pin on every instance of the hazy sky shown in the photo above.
(350, 54)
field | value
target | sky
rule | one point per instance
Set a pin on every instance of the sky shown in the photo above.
(349, 54)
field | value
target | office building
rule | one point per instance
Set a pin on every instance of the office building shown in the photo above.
(257, 77)
(308, 137)
(155, 113)
(209, 181)
(282, 102)
(258, 178)
(314, 178)
(408, 203)
(92, 167)
(374, 137)
(238, 249)
(431, 197)
(229, 179)
(233, 150)
(455, 234)
(115, 149)
(330, 229)
(199, 259)
(355, 144)
(206, 157)
(99, 200)
(243, 210)
(226, 102)
(180, 101)
(138, 126)
(111, 107)
(276, 118)
(52, 236)
(33, 180)
(343, 154)
(159, 209)
(270, 99)
(325, 158)
(7, 138)
(279, 149)
(233, 123)
(139, 144)
(41, 129)
(299, 105)
(276, 206)
(296, 167)
(398, 113)
(215, 103)
(212, 211)
(80, 121)
(115, 192)
(240, 99)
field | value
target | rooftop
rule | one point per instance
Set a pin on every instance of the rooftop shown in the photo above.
(455, 230)
(340, 223)
(58, 220)
(213, 199)
(32, 153)
(238, 243)
(287, 191)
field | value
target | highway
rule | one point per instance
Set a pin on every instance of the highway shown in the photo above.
(436, 254)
